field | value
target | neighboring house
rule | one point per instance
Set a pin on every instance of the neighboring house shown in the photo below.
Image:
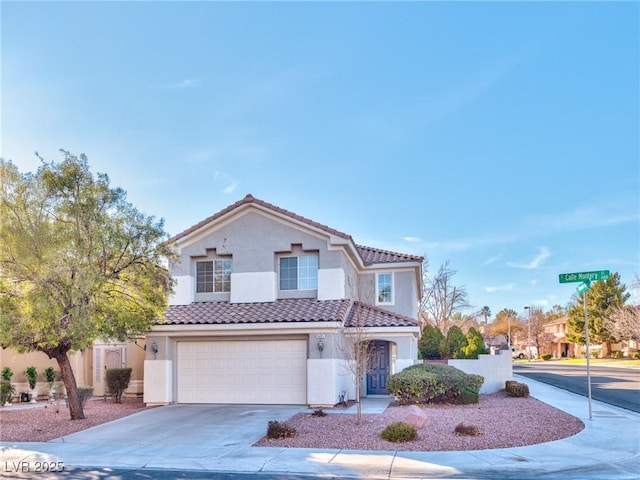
(556, 342)
(88, 366)
(265, 302)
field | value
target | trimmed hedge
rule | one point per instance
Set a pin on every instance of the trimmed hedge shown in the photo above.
(516, 389)
(434, 383)
(117, 382)
(399, 432)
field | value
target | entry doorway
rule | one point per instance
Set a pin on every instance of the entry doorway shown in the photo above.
(107, 356)
(378, 368)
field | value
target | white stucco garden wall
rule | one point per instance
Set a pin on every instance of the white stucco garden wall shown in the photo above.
(326, 379)
(496, 369)
(158, 382)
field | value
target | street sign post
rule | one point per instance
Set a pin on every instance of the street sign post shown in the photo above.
(584, 276)
(584, 286)
(585, 279)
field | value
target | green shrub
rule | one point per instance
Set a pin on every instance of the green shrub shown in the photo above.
(547, 356)
(7, 391)
(467, 430)
(431, 342)
(276, 430)
(455, 342)
(399, 432)
(117, 380)
(475, 344)
(636, 356)
(32, 376)
(517, 389)
(49, 377)
(469, 396)
(616, 354)
(85, 393)
(434, 383)
(7, 373)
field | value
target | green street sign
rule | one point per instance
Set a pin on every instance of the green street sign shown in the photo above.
(584, 286)
(584, 276)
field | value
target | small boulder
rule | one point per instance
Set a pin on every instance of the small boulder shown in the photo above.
(416, 417)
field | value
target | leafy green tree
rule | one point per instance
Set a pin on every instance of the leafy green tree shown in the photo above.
(431, 342)
(78, 263)
(603, 299)
(475, 344)
(455, 342)
(505, 324)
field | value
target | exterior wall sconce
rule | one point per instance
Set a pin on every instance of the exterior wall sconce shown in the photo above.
(154, 349)
(320, 345)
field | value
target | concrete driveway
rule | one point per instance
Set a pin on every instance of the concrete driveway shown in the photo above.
(213, 425)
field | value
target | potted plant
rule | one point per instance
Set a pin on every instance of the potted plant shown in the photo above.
(32, 377)
(7, 389)
(50, 378)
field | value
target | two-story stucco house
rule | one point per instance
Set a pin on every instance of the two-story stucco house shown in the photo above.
(265, 302)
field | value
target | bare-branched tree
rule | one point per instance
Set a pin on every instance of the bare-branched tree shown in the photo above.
(355, 347)
(441, 298)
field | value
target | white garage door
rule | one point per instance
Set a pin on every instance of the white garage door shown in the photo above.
(258, 372)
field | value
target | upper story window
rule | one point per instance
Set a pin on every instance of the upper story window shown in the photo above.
(384, 288)
(213, 276)
(299, 273)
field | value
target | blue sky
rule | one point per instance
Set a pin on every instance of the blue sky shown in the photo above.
(501, 136)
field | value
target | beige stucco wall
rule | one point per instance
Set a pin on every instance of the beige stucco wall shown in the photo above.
(18, 362)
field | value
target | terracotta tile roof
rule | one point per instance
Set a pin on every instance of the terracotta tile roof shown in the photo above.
(284, 311)
(368, 316)
(280, 311)
(369, 255)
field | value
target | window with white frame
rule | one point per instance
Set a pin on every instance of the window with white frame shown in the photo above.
(299, 273)
(384, 288)
(213, 276)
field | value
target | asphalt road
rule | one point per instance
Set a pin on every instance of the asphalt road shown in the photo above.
(613, 385)
(150, 474)
(625, 470)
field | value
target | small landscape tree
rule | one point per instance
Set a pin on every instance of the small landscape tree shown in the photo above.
(78, 263)
(431, 342)
(455, 342)
(475, 344)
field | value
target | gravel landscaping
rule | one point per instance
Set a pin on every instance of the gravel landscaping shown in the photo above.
(503, 422)
(41, 422)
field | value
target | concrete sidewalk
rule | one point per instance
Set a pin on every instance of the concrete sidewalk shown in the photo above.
(608, 448)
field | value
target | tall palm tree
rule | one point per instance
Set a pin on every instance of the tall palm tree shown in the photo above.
(486, 313)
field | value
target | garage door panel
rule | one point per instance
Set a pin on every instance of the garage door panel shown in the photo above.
(265, 371)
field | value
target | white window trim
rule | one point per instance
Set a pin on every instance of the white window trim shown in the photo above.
(298, 289)
(393, 288)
